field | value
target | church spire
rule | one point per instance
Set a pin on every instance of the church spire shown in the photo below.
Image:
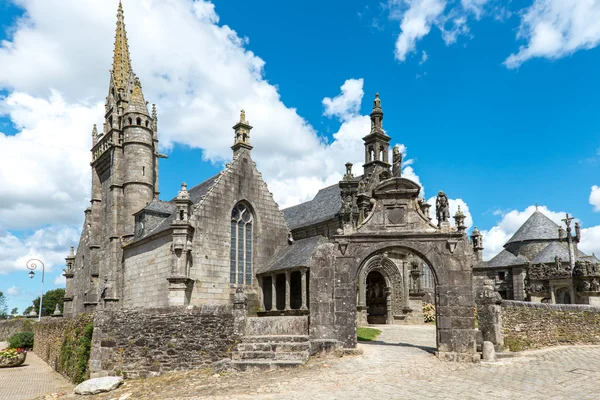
(377, 116)
(121, 61)
(242, 134)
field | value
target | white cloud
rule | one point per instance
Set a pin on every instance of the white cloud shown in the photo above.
(347, 104)
(590, 240)
(47, 244)
(556, 28)
(474, 6)
(495, 238)
(60, 280)
(595, 197)
(424, 58)
(44, 169)
(417, 17)
(454, 204)
(13, 291)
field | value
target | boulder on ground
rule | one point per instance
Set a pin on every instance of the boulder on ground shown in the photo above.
(99, 385)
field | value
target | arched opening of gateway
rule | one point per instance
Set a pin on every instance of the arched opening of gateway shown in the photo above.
(397, 287)
(377, 307)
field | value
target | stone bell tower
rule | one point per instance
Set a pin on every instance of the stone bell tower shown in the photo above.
(377, 143)
(124, 178)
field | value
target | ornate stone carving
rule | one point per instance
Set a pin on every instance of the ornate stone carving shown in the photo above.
(536, 288)
(541, 272)
(586, 268)
(397, 162)
(487, 294)
(442, 208)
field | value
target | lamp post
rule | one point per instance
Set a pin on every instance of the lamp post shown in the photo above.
(31, 266)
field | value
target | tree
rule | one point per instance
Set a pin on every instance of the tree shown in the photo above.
(3, 306)
(14, 311)
(51, 299)
(28, 310)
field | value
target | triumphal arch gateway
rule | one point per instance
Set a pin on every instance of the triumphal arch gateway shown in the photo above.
(362, 251)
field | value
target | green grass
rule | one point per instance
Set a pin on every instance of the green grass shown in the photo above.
(367, 334)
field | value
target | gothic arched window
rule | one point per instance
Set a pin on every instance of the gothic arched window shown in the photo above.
(240, 270)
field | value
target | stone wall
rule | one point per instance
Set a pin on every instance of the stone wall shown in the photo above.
(62, 344)
(529, 325)
(15, 325)
(241, 181)
(147, 342)
(147, 266)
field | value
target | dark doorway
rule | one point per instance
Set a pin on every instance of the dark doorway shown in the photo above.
(267, 289)
(280, 289)
(296, 290)
(376, 298)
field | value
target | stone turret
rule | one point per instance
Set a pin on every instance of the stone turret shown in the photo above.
(242, 135)
(477, 241)
(139, 157)
(459, 219)
(377, 143)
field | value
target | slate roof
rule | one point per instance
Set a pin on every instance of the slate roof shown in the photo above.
(161, 207)
(297, 254)
(505, 259)
(325, 205)
(554, 249)
(537, 227)
(196, 194)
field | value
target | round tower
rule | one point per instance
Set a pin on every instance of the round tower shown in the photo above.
(138, 151)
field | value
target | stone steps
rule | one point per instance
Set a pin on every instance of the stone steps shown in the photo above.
(275, 339)
(270, 346)
(271, 355)
(269, 352)
(265, 365)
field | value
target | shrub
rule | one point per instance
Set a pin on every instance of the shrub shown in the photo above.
(21, 340)
(428, 312)
(75, 352)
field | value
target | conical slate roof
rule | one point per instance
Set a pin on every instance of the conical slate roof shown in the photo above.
(506, 259)
(538, 226)
(554, 249)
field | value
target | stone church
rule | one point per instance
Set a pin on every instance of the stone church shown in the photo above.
(362, 251)
(541, 263)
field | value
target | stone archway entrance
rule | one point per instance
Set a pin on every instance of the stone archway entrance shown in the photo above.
(377, 293)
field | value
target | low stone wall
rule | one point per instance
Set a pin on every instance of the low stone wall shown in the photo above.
(65, 344)
(15, 325)
(146, 342)
(528, 325)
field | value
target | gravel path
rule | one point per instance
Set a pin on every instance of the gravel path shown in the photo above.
(399, 365)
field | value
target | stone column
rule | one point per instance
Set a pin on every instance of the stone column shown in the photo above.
(287, 291)
(273, 292)
(552, 295)
(405, 281)
(240, 311)
(489, 313)
(304, 305)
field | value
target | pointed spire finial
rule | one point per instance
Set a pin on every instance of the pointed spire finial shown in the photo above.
(377, 101)
(121, 59)
(94, 135)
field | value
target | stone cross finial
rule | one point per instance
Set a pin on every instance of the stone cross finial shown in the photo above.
(567, 220)
(242, 116)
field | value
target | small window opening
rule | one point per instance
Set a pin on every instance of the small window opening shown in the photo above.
(147, 123)
(143, 171)
(139, 121)
(130, 121)
(181, 215)
(501, 276)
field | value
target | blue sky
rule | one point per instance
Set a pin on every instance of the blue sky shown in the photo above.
(496, 133)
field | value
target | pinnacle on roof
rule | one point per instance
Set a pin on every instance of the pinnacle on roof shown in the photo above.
(137, 103)
(537, 227)
(121, 61)
(377, 116)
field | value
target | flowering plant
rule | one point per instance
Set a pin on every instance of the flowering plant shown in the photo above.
(11, 353)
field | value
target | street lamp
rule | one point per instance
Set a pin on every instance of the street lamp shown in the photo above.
(31, 266)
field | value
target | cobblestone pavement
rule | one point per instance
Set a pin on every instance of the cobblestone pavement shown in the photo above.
(398, 366)
(32, 379)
